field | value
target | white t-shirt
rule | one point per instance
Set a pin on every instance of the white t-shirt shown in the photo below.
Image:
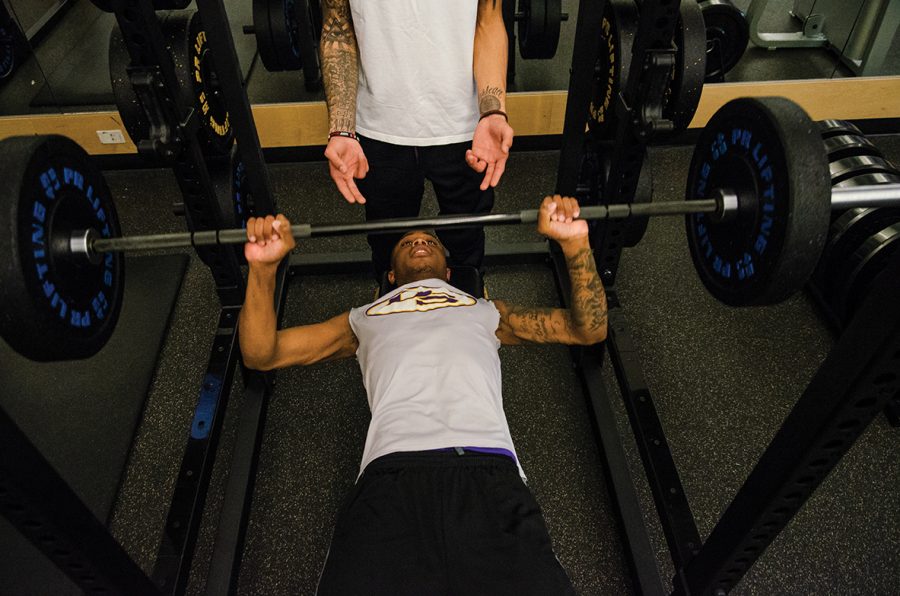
(416, 84)
(428, 354)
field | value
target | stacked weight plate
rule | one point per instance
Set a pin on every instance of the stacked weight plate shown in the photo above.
(860, 240)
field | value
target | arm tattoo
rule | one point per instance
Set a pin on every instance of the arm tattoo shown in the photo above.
(588, 308)
(339, 64)
(538, 325)
(489, 98)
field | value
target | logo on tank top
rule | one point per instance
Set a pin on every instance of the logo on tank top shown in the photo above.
(420, 299)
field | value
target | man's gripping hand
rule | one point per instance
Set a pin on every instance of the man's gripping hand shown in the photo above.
(490, 149)
(269, 240)
(346, 161)
(557, 220)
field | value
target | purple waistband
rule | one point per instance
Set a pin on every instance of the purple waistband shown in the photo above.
(489, 450)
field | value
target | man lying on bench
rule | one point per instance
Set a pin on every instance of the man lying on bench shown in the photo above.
(440, 505)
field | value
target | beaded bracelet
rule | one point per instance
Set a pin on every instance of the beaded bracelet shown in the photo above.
(343, 133)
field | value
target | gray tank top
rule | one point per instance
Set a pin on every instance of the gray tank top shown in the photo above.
(428, 354)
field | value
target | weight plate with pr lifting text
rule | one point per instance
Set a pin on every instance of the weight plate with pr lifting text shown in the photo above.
(833, 128)
(846, 235)
(769, 152)
(617, 29)
(849, 167)
(54, 307)
(198, 84)
(864, 266)
(843, 146)
(727, 36)
(689, 73)
(539, 28)
(869, 180)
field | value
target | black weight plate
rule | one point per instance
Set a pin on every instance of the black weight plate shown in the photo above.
(689, 73)
(587, 189)
(769, 152)
(11, 44)
(196, 77)
(869, 180)
(727, 36)
(54, 307)
(842, 146)
(241, 199)
(849, 167)
(833, 128)
(284, 23)
(106, 5)
(637, 226)
(539, 28)
(867, 262)
(216, 132)
(262, 30)
(617, 29)
(309, 30)
(846, 235)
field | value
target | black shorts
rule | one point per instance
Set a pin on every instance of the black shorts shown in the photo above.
(441, 523)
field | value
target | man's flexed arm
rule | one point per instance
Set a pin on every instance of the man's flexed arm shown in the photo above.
(340, 75)
(263, 346)
(584, 322)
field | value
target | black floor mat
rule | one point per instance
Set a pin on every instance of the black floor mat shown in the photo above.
(82, 414)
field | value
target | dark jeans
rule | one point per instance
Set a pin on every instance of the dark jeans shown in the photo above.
(394, 187)
(442, 524)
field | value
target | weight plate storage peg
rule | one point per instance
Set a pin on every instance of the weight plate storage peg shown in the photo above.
(769, 153)
(727, 36)
(55, 307)
(617, 29)
(197, 81)
(689, 74)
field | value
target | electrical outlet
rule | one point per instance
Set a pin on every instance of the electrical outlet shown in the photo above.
(111, 137)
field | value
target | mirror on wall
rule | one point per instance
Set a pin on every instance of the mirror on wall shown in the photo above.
(56, 56)
(22, 24)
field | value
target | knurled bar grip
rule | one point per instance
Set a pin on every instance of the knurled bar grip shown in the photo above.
(239, 236)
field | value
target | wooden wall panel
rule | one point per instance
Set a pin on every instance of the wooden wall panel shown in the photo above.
(306, 124)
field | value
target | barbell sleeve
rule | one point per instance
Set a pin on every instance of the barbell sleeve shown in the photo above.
(879, 195)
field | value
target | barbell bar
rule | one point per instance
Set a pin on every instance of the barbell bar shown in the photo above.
(88, 244)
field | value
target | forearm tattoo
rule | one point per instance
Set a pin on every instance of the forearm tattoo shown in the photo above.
(339, 64)
(588, 301)
(489, 98)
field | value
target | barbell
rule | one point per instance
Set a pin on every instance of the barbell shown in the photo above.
(757, 211)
